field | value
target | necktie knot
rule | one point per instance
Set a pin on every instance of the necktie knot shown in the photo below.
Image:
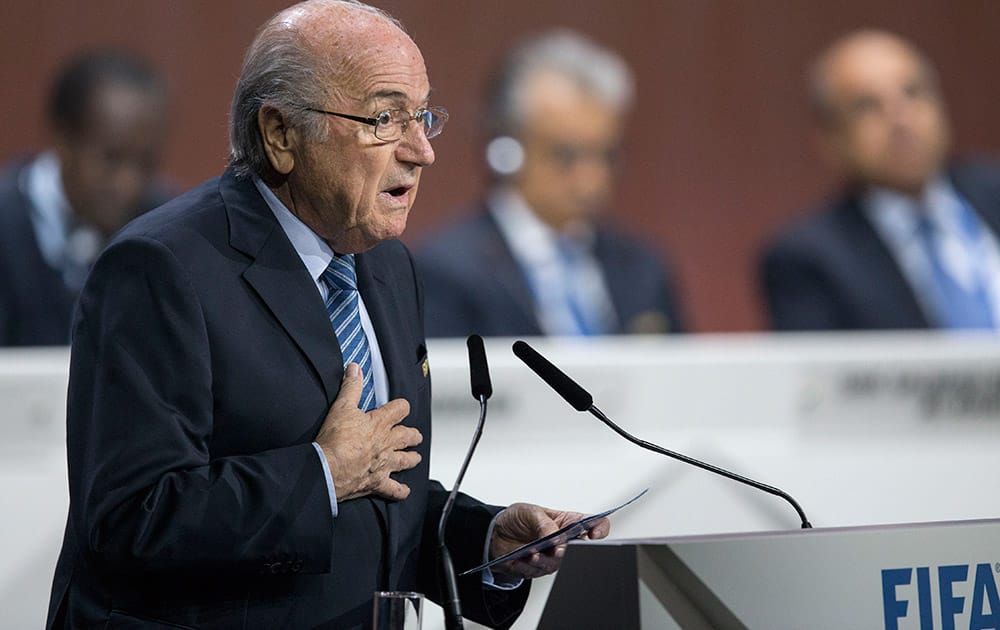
(340, 274)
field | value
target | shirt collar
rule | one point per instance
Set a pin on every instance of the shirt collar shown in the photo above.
(43, 185)
(531, 239)
(313, 250)
(51, 214)
(898, 213)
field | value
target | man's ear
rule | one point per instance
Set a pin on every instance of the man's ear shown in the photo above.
(280, 140)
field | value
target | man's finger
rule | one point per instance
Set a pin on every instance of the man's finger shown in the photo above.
(544, 524)
(405, 437)
(351, 386)
(393, 411)
(600, 530)
(406, 460)
(534, 566)
(392, 489)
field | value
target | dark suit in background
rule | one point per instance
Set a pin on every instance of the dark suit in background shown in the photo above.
(107, 115)
(203, 365)
(36, 304)
(832, 271)
(473, 283)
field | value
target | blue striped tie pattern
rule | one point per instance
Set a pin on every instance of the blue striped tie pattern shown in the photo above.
(957, 307)
(585, 320)
(345, 316)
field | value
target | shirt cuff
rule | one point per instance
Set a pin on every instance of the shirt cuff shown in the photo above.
(500, 582)
(329, 481)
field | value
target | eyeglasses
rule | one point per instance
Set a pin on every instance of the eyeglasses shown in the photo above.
(390, 124)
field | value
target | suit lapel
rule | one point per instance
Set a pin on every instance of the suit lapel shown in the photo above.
(884, 278)
(985, 200)
(380, 302)
(619, 280)
(277, 275)
(501, 264)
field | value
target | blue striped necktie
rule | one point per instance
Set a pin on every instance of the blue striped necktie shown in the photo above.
(587, 319)
(957, 307)
(345, 316)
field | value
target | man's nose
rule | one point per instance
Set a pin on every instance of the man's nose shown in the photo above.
(901, 107)
(415, 147)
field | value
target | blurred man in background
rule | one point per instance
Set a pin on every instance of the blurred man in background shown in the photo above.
(107, 113)
(912, 240)
(534, 259)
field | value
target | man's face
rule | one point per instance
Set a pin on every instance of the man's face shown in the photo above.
(353, 189)
(887, 123)
(110, 163)
(571, 141)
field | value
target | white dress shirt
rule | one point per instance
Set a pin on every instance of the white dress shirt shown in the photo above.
(552, 280)
(67, 245)
(971, 262)
(316, 256)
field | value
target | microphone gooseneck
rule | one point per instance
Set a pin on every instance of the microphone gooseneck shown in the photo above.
(482, 389)
(581, 400)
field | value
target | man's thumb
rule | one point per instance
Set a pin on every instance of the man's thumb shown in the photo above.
(352, 385)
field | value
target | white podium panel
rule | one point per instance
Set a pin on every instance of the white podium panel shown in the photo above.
(903, 577)
(34, 494)
(861, 429)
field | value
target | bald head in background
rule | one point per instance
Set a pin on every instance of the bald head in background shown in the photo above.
(910, 241)
(881, 115)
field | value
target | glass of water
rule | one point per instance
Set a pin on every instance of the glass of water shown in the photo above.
(398, 610)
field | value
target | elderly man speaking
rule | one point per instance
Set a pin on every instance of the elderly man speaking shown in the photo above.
(249, 399)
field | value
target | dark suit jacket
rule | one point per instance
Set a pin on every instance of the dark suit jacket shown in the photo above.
(36, 306)
(473, 283)
(832, 271)
(203, 365)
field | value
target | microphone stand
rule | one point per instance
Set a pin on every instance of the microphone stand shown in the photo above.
(482, 389)
(451, 603)
(597, 413)
(581, 400)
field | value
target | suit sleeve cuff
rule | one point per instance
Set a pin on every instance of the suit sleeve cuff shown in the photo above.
(497, 581)
(329, 482)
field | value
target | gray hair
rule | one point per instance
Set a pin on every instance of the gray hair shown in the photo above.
(281, 70)
(600, 72)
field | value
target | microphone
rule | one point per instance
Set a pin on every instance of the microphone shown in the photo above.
(479, 371)
(482, 389)
(581, 400)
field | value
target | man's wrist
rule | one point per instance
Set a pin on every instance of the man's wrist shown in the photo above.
(498, 579)
(331, 489)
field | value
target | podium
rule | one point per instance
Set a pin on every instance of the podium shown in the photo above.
(922, 576)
